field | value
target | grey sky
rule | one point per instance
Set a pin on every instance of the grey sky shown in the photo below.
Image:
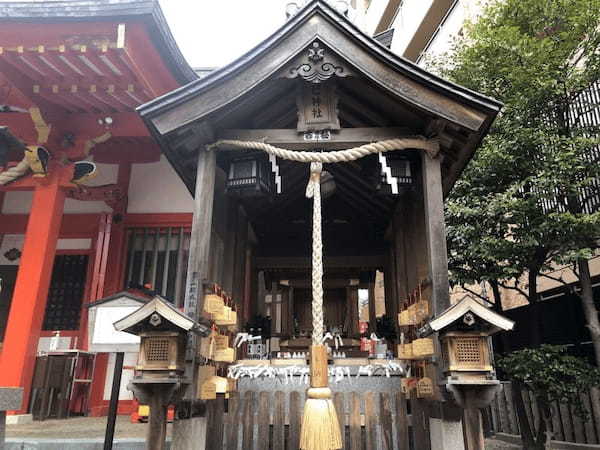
(211, 33)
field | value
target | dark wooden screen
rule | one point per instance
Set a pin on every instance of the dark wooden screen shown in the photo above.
(147, 264)
(267, 420)
(67, 286)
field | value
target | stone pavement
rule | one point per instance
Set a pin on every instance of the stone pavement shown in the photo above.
(87, 433)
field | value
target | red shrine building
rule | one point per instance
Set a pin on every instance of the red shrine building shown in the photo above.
(71, 75)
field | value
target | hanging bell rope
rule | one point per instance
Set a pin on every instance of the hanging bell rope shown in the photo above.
(320, 425)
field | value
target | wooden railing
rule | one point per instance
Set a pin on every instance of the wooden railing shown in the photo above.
(566, 426)
(266, 420)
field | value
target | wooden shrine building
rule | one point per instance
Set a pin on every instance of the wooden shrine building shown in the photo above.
(317, 84)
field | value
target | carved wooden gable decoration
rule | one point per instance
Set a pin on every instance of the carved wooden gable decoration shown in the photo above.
(317, 101)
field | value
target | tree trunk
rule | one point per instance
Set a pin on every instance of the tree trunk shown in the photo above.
(505, 341)
(589, 307)
(544, 435)
(526, 433)
(535, 324)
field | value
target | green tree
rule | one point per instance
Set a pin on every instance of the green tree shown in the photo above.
(552, 376)
(526, 202)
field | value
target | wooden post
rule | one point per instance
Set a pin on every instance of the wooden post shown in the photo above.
(198, 269)
(447, 429)
(114, 402)
(436, 233)
(473, 429)
(31, 289)
(156, 430)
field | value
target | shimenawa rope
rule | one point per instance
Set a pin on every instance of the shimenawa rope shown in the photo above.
(431, 146)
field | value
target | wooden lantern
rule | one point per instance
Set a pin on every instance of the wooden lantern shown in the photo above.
(465, 331)
(250, 176)
(163, 331)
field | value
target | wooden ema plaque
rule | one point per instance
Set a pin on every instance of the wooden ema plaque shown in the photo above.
(208, 391)
(424, 388)
(407, 384)
(225, 355)
(213, 304)
(405, 351)
(204, 374)
(226, 318)
(206, 349)
(422, 348)
(221, 342)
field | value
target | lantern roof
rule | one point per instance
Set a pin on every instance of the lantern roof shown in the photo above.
(462, 313)
(118, 298)
(157, 314)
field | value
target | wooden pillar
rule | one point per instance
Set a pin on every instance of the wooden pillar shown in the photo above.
(241, 240)
(31, 290)
(229, 250)
(351, 324)
(117, 244)
(372, 309)
(391, 299)
(156, 430)
(446, 428)
(436, 233)
(473, 429)
(198, 263)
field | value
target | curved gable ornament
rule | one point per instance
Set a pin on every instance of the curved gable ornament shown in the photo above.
(320, 66)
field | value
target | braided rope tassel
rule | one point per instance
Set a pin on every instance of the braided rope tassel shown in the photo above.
(313, 190)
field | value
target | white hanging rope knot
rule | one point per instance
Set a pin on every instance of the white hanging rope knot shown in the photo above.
(313, 190)
(430, 146)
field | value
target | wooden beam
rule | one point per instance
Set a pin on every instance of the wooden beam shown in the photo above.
(332, 262)
(291, 139)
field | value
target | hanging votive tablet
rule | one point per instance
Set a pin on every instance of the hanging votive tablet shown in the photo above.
(213, 304)
(424, 387)
(405, 351)
(422, 347)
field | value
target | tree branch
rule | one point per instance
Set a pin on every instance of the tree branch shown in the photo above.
(515, 288)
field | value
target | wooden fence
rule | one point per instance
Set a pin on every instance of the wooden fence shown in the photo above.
(566, 426)
(267, 420)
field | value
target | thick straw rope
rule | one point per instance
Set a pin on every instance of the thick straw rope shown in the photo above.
(14, 173)
(431, 146)
(314, 190)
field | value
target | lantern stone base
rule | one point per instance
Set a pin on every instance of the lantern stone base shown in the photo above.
(474, 395)
(158, 394)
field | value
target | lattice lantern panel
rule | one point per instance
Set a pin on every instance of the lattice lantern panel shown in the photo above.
(466, 352)
(161, 354)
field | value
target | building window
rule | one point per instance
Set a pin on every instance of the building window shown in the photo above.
(67, 286)
(148, 265)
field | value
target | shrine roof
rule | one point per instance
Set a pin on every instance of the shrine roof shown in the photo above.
(395, 62)
(377, 89)
(147, 11)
